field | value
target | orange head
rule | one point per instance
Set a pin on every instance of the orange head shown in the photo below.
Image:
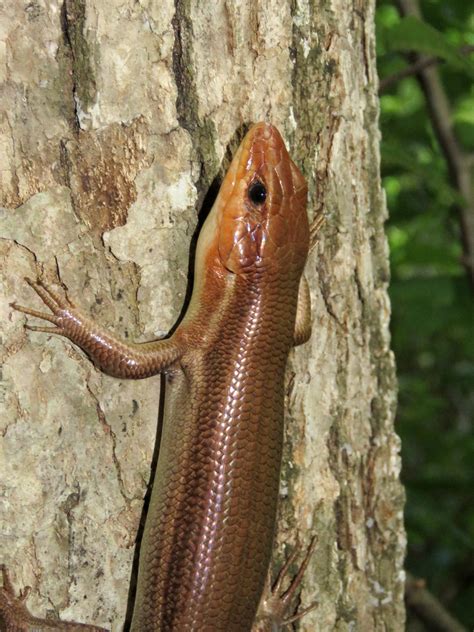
(259, 219)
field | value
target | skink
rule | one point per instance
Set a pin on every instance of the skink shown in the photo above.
(208, 535)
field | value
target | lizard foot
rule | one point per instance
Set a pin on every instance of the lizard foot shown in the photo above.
(15, 616)
(61, 307)
(276, 607)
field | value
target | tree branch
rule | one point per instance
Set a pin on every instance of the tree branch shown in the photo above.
(428, 609)
(460, 165)
(413, 69)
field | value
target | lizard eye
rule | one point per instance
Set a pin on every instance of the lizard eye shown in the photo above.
(257, 192)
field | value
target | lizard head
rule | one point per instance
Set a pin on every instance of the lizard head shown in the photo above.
(259, 219)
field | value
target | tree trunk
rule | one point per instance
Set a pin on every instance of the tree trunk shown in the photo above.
(118, 117)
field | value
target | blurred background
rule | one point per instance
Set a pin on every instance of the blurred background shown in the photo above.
(426, 68)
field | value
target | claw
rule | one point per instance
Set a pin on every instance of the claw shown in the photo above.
(7, 582)
(300, 574)
(302, 613)
(34, 312)
(46, 330)
(57, 298)
(284, 569)
(9, 589)
(51, 299)
(276, 605)
(44, 294)
(14, 614)
(24, 593)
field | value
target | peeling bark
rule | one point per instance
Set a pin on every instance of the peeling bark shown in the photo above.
(118, 118)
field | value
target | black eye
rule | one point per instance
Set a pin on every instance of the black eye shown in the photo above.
(257, 193)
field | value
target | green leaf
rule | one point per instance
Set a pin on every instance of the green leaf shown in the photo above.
(411, 34)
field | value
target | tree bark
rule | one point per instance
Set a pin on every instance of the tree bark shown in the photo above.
(118, 118)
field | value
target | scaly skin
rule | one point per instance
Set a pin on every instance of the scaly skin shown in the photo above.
(209, 529)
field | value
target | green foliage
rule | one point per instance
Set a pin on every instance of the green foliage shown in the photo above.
(433, 308)
(412, 35)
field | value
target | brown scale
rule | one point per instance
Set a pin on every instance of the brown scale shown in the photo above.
(209, 530)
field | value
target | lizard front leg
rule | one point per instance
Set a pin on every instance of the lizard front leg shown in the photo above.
(15, 616)
(113, 356)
